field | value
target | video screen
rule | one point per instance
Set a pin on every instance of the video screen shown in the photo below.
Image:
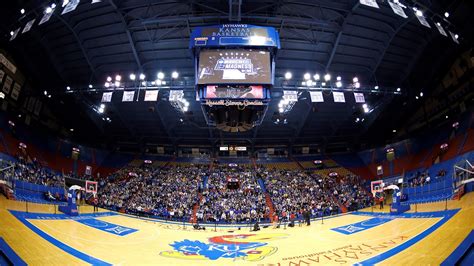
(234, 67)
(235, 92)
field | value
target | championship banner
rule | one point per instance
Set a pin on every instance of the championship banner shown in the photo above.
(397, 9)
(15, 33)
(338, 97)
(7, 85)
(151, 96)
(28, 26)
(422, 20)
(453, 36)
(316, 96)
(291, 96)
(46, 17)
(2, 74)
(440, 29)
(359, 97)
(176, 95)
(371, 3)
(16, 91)
(128, 96)
(379, 170)
(71, 6)
(88, 170)
(107, 97)
(9, 65)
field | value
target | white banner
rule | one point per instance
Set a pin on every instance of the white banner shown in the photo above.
(15, 33)
(16, 91)
(338, 97)
(46, 17)
(7, 85)
(176, 95)
(151, 96)
(316, 96)
(422, 20)
(128, 96)
(359, 97)
(440, 29)
(291, 96)
(397, 9)
(107, 97)
(453, 36)
(70, 6)
(371, 3)
(9, 65)
(88, 170)
(28, 25)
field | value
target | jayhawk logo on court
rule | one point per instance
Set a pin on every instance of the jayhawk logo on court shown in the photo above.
(244, 246)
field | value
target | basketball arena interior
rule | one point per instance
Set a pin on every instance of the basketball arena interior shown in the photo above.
(264, 132)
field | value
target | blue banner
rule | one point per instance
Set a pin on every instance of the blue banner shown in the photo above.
(233, 35)
(107, 227)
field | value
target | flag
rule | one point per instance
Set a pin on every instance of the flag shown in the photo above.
(107, 97)
(151, 96)
(71, 6)
(359, 97)
(338, 97)
(371, 3)
(422, 20)
(46, 17)
(316, 96)
(397, 9)
(440, 29)
(128, 96)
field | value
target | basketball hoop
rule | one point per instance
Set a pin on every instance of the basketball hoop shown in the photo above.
(376, 186)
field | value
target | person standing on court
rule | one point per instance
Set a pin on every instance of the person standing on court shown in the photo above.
(96, 204)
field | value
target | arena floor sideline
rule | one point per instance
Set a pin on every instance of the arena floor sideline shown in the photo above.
(427, 237)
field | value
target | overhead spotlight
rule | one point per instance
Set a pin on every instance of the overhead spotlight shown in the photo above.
(303, 83)
(142, 76)
(163, 82)
(362, 119)
(45, 92)
(447, 116)
(323, 84)
(118, 78)
(357, 85)
(419, 13)
(22, 11)
(309, 83)
(181, 120)
(446, 14)
(398, 89)
(394, 131)
(174, 75)
(357, 120)
(338, 78)
(71, 129)
(109, 79)
(102, 105)
(316, 76)
(364, 106)
(117, 84)
(53, 5)
(307, 76)
(421, 94)
(132, 76)
(185, 109)
(49, 96)
(376, 87)
(327, 77)
(65, 2)
(11, 33)
(49, 10)
(90, 86)
(154, 82)
(280, 110)
(338, 84)
(439, 24)
(101, 110)
(355, 79)
(107, 84)
(158, 82)
(416, 97)
(456, 36)
(143, 83)
(288, 75)
(160, 75)
(68, 88)
(280, 105)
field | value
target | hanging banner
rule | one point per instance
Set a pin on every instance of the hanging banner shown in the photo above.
(28, 26)
(453, 36)
(290, 96)
(30, 104)
(128, 96)
(176, 95)
(7, 85)
(305, 150)
(96, 1)
(15, 33)
(422, 20)
(9, 65)
(71, 6)
(46, 17)
(316, 96)
(338, 97)
(38, 106)
(371, 3)
(107, 97)
(359, 97)
(88, 170)
(440, 29)
(160, 150)
(270, 151)
(397, 9)
(16, 91)
(151, 96)
(2, 73)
